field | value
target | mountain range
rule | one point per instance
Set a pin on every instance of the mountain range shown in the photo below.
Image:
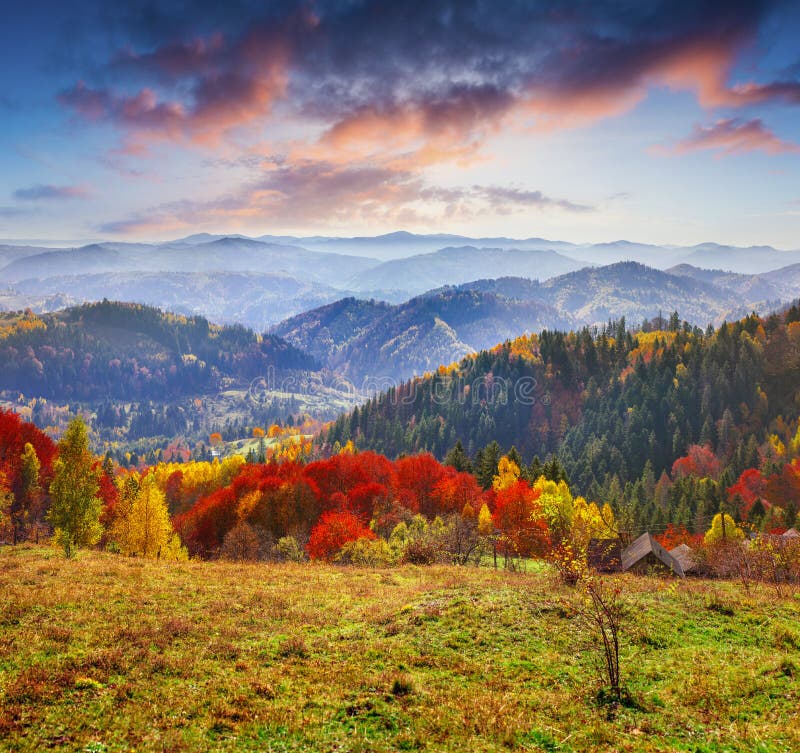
(367, 339)
(259, 282)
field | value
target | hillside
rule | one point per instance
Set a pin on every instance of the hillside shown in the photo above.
(249, 657)
(751, 288)
(637, 292)
(618, 407)
(393, 342)
(125, 351)
(361, 338)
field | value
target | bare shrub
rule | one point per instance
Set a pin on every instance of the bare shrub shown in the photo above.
(603, 613)
(242, 544)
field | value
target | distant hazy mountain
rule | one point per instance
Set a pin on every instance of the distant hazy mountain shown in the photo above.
(259, 282)
(219, 255)
(255, 300)
(786, 280)
(752, 260)
(402, 244)
(457, 265)
(754, 289)
(364, 339)
(638, 292)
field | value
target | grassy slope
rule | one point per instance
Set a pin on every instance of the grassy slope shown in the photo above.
(103, 653)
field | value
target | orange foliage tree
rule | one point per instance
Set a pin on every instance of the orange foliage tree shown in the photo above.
(519, 521)
(333, 531)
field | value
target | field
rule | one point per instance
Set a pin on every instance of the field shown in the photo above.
(103, 653)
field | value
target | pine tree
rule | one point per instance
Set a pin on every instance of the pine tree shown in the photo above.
(457, 458)
(488, 468)
(76, 506)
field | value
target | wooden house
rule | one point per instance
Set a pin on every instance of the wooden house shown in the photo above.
(684, 554)
(646, 555)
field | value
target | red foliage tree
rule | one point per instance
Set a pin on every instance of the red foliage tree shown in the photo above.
(517, 517)
(749, 488)
(676, 535)
(699, 461)
(783, 488)
(456, 490)
(417, 477)
(14, 435)
(333, 531)
(363, 499)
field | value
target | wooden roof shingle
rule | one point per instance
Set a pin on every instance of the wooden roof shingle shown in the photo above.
(646, 545)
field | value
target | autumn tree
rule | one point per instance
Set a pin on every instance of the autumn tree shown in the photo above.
(333, 531)
(723, 528)
(76, 506)
(519, 520)
(143, 527)
(26, 503)
(6, 498)
(508, 473)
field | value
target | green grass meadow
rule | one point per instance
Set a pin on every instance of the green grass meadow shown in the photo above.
(102, 653)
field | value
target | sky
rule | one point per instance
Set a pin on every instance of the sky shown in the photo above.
(659, 122)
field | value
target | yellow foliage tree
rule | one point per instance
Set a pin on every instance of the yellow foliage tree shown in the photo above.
(485, 525)
(507, 474)
(590, 522)
(723, 527)
(143, 528)
(557, 506)
(794, 445)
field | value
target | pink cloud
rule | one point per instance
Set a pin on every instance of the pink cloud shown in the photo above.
(733, 136)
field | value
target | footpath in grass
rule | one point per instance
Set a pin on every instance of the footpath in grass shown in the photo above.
(103, 653)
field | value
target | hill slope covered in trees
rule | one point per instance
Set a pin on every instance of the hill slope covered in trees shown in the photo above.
(127, 351)
(618, 408)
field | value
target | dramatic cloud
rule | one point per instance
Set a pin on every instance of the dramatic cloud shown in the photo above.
(423, 70)
(43, 192)
(734, 136)
(363, 100)
(326, 193)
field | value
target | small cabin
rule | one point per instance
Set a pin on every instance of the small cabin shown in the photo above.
(646, 555)
(684, 554)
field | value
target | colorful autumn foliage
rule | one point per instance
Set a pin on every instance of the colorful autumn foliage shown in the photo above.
(333, 531)
(519, 520)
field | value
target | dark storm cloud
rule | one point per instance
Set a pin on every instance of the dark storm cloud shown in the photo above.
(449, 60)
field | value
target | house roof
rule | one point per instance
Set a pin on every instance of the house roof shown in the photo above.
(685, 555)
(792, 533)
(646, 545)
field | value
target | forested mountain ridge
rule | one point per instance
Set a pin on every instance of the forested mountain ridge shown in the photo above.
(362, 339)
(125, 351)
(619, 408)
